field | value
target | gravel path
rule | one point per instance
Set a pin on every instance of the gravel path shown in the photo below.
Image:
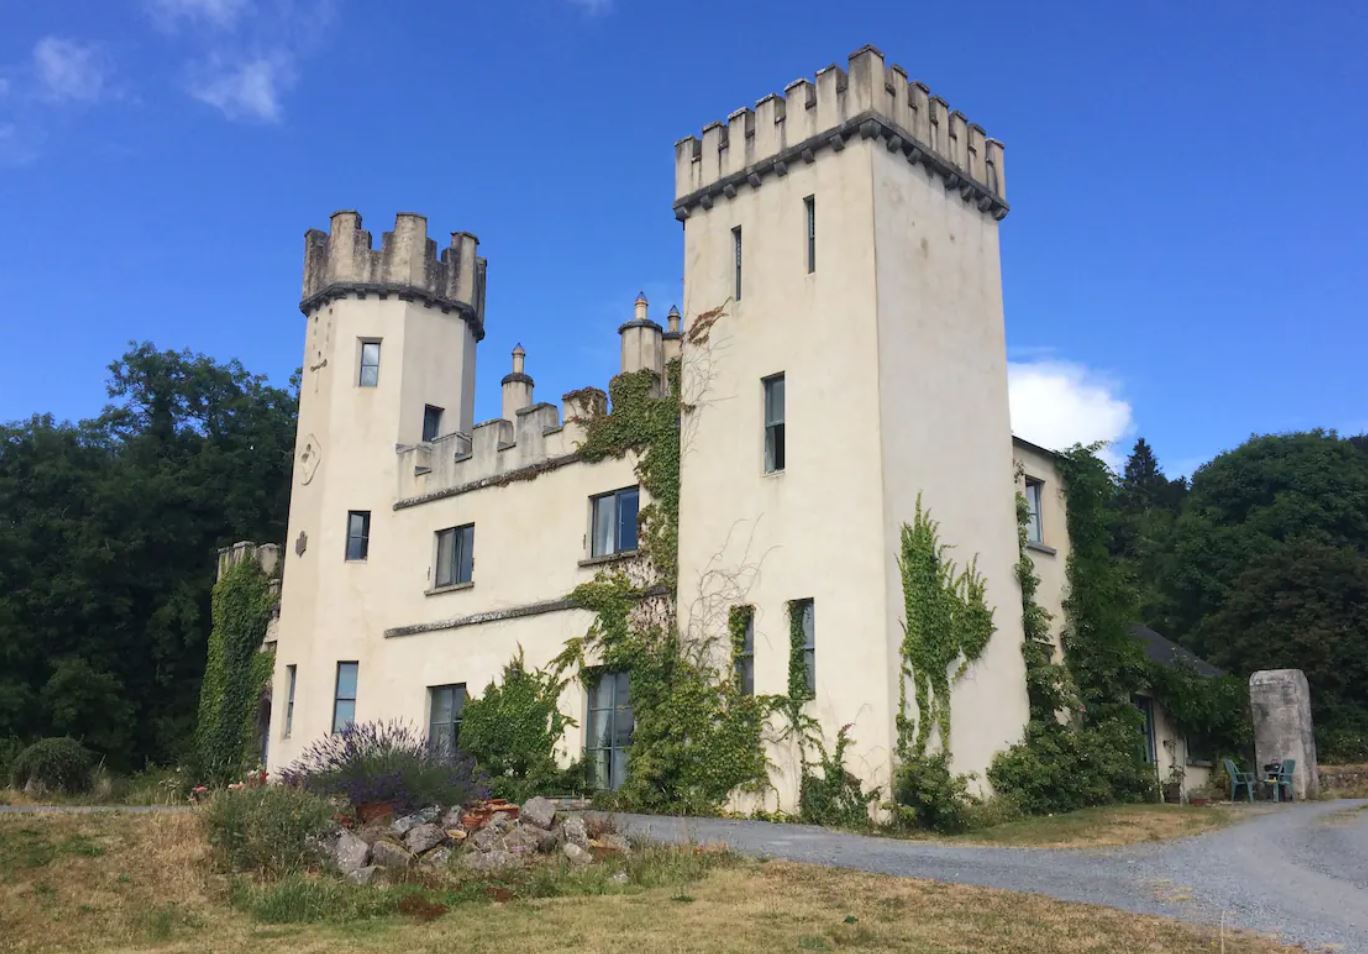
(1299, 871)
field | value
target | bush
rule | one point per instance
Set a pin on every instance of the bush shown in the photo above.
(60, 765)
(271, 830)
(930, 796)
(834, 797)
(1060, 768)
(10, 747)
(372, 762)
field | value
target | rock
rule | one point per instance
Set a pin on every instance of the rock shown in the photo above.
(424, 837)
(486, 839)
(350, 852)
(522, 840)
(436, 858)
(372, 833)
(573, 831)
(452, 818)
(576, 854)
(387, 854)
(402, 826)
(613, 842)
(546, 840)
(496, 860)
(620, 877)
(540, 812)
(501, 822)
(1280, 701)
(362, 875)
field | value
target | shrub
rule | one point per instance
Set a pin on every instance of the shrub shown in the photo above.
(834, 797)
(930, 796)
(272, 830)
(10, 747)
(1060, 768)
(512, 732)
(386, 762)
(60, 764)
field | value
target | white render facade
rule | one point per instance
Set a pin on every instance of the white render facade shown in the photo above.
(849, 230)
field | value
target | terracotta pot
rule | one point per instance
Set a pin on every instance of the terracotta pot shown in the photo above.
(374, 811)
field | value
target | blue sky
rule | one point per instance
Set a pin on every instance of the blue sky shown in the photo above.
(1185, 258)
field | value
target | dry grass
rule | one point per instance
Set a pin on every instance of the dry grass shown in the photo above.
(151, 890)
(1111, 826)
(1344, 781)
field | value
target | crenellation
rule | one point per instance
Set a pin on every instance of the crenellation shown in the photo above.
(868, 99)
(343, 263)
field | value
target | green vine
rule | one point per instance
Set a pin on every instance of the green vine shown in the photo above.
(739, 620)
(798, 691)
(947, 624)
(1047, 682)
(235, 674)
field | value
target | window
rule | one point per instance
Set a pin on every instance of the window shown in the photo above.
(291, 672)
(610, 730)
(615, 523)
(1146, 706)
(358, 534)
(810, 205)
(774, 423)
(369, 375)
(745, 655)
(446, 705)
(1033, 527)
(736, 249)
(344, 698)
(805, 612)
(432, 422)
(455, 555)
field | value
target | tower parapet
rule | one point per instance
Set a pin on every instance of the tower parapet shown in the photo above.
(869, 100)
(341, 263)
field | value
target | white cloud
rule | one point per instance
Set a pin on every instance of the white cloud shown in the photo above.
(68, 70)
(246, 90)
(222, 14)
(1058, 404)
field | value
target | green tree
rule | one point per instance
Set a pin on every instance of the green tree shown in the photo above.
(1145, 511)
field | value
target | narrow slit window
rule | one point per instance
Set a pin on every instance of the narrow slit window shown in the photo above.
(432, 422)
(1034, 529)
(774, 423)
(805, 614)
(810, 205)
(745, 658)
(358, 534)
(291, 676)
(736, 251)
(369, 375)
(344, 698)
(455, 555)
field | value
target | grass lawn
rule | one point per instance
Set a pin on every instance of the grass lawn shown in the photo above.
(138, 882)
(1110, 826)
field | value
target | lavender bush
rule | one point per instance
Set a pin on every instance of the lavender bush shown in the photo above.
(386, 762)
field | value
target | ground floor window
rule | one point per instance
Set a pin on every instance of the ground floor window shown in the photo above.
(344, 698)
(446, 705)
(1146, 706)
(609, 736)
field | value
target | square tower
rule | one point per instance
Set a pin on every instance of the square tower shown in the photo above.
(850, 230)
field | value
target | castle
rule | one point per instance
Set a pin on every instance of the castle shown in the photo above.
(848, 230)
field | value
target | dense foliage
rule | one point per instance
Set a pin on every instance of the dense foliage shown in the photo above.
(928, 795)
(267, 830)
(107, 544)
(57, 765)
(389, 762)
(234, 676)
(512, 732)
(829, 793)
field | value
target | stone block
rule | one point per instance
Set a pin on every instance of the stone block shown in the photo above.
(424, 837)
(350, 852)
(387, 854)
(540, 812)
(1280, 703)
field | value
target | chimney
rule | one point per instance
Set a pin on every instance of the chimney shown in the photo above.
(672, 341)
(641, 341)
(517, 387)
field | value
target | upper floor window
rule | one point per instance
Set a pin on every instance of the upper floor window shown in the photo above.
(810, 207)
(1034, 529)
(291, 676)
(358, 534)
(369, 375)
(803, 613)
(774, 423)
(615, 522)
(736, 254)
(344, 697)
(432, 422)
(455, 555)
(446, 706)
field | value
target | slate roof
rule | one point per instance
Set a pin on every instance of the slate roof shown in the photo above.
(1164, 651)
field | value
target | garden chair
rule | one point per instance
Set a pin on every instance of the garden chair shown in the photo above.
(1283, 780)
(1238, 779)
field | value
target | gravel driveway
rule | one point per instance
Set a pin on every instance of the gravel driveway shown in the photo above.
(1299, 871)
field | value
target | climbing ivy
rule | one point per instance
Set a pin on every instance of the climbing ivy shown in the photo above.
(798, 691)
(947, 623)
(1047, 682)
(739, 619)
(235, 674)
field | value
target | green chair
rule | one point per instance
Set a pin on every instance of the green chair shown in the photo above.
(1283, 780)
(1238, 779)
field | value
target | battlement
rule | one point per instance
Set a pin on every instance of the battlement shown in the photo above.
(869, 100)
(341, 263)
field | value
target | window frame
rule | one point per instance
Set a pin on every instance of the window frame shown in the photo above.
(363, 537)
(808, 607)
(458, 704)
(775, 432)
(337, 692)
(1035, 505)
(291, 681)
(361, 365)
(744, 663)
(431, 434)
(737, 249)
(617, 549)
(810, 210)
(462, 556)
(618, 760)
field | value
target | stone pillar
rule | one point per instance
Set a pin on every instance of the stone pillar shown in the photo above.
(642, 347)
(1280, 702)
(672, 341)
(517, 387)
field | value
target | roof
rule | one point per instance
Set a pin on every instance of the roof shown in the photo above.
(1023, 442)
(1164, 651)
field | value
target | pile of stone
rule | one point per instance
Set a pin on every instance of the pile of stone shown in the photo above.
(491, 836)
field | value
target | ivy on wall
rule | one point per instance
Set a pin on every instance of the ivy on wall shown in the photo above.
(739, 619)
(235, 674)
(946, 625)
(1048, 689)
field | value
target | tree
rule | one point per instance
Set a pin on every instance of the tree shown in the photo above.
(1146, 508)
(108, 529)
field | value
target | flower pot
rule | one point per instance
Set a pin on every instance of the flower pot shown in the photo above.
(368, 812)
